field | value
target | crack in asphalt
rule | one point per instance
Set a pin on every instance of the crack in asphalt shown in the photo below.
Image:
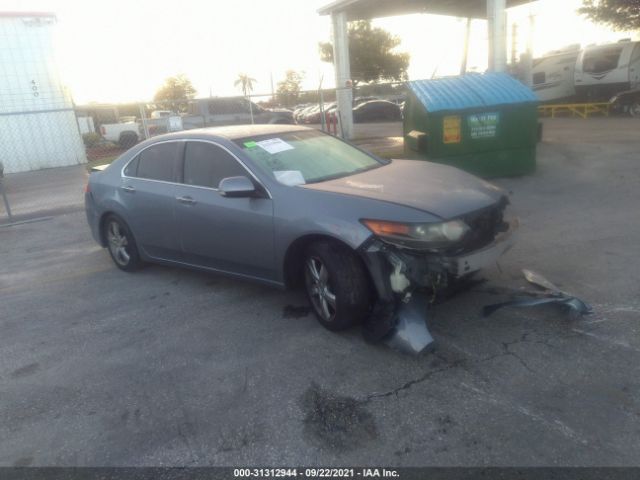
(506, 352)
(554, 423)
(410, 383)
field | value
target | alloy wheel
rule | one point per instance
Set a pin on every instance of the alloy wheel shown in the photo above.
(319, 288)
(118, 243)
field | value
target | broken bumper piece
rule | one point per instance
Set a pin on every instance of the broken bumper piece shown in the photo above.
(549, 294)
(410, 333)
(405, 280)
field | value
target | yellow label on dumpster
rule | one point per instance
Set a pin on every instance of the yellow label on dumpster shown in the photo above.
(451, 129)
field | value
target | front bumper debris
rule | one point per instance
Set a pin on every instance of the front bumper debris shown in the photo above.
(405, 281)
(548, 294)
(411, 334)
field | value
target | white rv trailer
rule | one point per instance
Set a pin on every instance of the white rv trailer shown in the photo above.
(604, 70)
(552, 74)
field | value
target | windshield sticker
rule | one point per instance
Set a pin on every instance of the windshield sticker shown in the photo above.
(289, 177)
(250, 144)
(274, 145)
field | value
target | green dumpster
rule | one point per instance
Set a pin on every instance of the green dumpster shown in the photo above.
(485, 124)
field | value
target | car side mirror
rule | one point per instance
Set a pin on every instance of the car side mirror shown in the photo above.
(235, 187)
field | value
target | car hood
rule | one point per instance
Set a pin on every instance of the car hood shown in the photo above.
(441, 190)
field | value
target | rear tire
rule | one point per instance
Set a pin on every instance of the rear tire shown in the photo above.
(121, 244)
(337, 285)
(127, 139)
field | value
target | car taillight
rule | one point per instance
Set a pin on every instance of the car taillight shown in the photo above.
(87, 188)
(103, 131)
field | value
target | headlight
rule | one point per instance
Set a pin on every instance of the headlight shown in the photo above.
(421, 235)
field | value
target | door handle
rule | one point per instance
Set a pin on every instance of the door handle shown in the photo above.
(186, 200)
(128, 189)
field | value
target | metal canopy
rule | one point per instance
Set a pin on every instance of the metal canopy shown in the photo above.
(368, 9)
(343, 11)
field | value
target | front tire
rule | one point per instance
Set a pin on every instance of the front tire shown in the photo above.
(121, 244)
(337, 285)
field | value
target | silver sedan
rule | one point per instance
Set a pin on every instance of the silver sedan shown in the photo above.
(291, 206)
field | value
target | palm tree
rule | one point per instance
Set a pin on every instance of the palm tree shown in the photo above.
(245, 82)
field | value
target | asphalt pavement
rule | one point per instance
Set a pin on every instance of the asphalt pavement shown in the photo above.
(173, 367)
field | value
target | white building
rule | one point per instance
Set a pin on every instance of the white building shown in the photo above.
(38, 127)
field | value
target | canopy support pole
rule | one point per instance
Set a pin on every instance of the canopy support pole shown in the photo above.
(344, 92)
(497, 22)
(465, 52)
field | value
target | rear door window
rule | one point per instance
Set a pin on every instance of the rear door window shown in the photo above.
(205, 164)
(131, 170)
(159, 162)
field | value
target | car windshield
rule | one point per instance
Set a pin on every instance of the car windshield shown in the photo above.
(295, 158)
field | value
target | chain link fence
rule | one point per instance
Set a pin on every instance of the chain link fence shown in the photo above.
(60, 134)
(53, 132)
(108, 130)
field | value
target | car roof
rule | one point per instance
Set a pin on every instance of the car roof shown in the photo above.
(374, 102)
(233, 132)
(378, 100)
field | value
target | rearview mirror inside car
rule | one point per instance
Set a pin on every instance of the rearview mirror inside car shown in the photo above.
(236, 187)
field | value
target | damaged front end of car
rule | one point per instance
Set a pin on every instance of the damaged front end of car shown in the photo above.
(410, 264)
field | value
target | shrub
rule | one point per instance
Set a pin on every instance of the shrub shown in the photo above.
(91, 139)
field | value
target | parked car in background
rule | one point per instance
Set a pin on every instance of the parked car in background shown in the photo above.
(315, 116)
(359, 100)
(376, 111)
(126, 134)
(299, 109)
(292, 206)
(215, 112)
(310, 110)
(130, 131)
(627, 102)
(162, 114)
